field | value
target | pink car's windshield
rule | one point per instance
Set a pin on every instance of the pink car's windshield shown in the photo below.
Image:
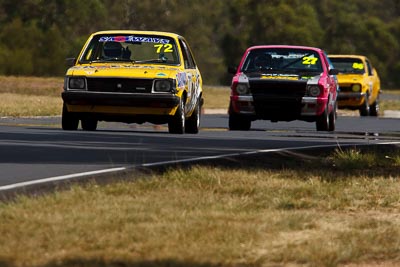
(282, 60)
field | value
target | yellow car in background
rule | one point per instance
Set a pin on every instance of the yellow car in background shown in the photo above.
(133, 77)
(359, 84)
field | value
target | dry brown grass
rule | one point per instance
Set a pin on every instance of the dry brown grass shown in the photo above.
(35, 96)
(30, 96)
(211, 216)
(390, 105)
(31, 85)
(24, 96)
(20, 105)
(216, 97)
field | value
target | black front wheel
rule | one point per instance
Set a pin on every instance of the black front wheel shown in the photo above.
(193, 123)
(322, 122)
(365, 108)
(89, 124)
(69, 120)
(238, 122)
(332, 121)
(176, 124)
(374, 108)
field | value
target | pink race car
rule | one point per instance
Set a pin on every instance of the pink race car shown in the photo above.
(283, 83)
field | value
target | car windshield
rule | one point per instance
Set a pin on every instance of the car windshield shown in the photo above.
(348, 65)
(131, 48)
(272, 60)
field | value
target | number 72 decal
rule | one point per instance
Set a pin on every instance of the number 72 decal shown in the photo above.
(309, 60)
(167, 48)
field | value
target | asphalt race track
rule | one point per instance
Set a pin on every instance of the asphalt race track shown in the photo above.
(36, 148)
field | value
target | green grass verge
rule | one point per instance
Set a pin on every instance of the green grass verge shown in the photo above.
(325, 211)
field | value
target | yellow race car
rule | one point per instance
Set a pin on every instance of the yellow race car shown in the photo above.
(359, 84)
(133, 77)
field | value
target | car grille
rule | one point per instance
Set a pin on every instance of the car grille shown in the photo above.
(119, 85)
(346, 88)
(292, 89)
(278, 99)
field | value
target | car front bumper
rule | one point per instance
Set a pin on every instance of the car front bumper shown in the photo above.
(350, 95)
(352, 100)
(280, 106)
(120, 103)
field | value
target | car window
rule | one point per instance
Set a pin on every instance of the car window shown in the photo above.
(282, 59)
(369, 67)
(132, 48)
(328, 62)
(187, 56)
(348, 65)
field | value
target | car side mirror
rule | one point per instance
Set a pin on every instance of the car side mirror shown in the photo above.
(333, 72)
(70, 61)
(232, 69)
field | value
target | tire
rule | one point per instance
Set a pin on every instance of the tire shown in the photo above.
(332, 122)
(89, 124)
(322, 122)
(69, 120)
(176, 125)
(365, 108)
(374, 108)
(238, 123)
(193, 123)
(332, 119)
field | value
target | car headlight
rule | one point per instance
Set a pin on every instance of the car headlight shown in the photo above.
(77, 83)
(162, 86)
(356, 87)
(314, 90)
(242, 89)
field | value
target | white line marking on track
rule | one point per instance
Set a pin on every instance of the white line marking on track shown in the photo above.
(59, 178)
(82, 174)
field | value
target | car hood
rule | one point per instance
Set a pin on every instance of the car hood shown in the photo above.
(125, 70)
(349, 78)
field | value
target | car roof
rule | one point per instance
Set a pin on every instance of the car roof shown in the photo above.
(168, 34)
(346, 56)
(286, 46)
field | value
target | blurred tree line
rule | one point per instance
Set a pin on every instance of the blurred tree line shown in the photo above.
(37, 35)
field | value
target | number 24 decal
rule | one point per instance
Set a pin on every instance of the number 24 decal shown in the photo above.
(167, 48)
(309, 60)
